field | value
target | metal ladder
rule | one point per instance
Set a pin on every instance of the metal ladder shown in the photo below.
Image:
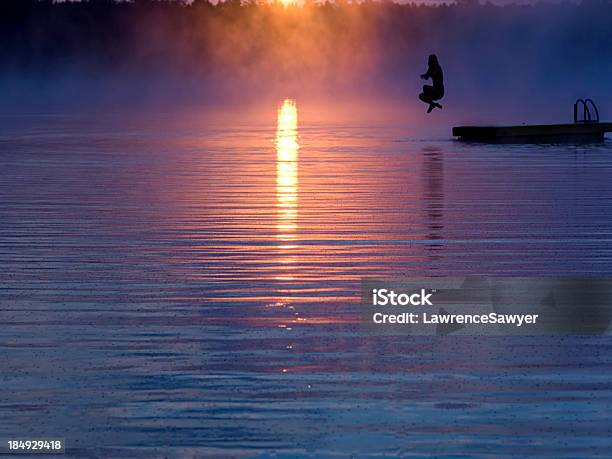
(587, 117)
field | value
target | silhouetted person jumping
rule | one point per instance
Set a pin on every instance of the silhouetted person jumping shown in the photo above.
(432, 93)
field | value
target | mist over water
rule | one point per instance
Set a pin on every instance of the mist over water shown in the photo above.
(502, 64)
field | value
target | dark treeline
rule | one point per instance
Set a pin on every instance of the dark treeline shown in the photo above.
(550, 48)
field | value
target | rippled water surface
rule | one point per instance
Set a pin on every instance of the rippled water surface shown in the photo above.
(180, 288)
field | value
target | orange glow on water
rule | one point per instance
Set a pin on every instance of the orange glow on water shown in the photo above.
(287, 147)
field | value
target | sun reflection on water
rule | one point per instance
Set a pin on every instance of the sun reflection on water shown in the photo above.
(287, 147)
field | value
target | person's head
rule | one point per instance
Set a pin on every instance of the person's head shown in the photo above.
(433, 61)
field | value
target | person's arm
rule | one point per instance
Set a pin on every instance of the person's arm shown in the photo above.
(427, 74)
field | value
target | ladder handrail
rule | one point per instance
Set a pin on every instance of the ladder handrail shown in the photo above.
(590, 101)
(586, 111)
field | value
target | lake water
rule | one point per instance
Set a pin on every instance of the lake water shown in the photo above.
(175, 288)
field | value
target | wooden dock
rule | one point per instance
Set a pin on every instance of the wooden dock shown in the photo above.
(542, 133)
